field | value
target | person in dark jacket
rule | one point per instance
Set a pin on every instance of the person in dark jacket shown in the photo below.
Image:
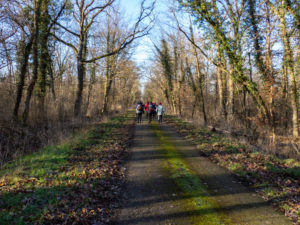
(139, 111)
(151, 111)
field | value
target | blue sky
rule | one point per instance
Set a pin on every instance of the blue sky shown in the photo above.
(143, 54)
(131, 8)
(144, 50)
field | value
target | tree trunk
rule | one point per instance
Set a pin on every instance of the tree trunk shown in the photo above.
(221, 92)
(52, 84)
(181, 80)
(288, 60)
(263, 69)
(110, 66)
(285, 87)
(80, 70)
(35, 60)
(194, 106)
(44, 57)
(21, 77)
(200, 78)
(230, 102)
(203, 107)
(106, 95)
(108, 81)
(80, 78)
(91, 83)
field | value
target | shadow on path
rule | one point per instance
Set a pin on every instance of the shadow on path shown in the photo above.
(152, 197)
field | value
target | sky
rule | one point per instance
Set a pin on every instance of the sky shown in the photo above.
(143, 53)
(131, 8)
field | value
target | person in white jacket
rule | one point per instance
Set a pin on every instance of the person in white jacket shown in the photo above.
(160, 110)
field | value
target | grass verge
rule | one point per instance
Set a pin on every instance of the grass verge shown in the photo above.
(77, 182)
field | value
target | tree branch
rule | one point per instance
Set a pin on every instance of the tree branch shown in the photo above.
(66, 29)
(193, 43)
(65, 43)
(135, 34)
(57, 16)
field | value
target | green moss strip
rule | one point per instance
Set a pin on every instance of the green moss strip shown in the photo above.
(198, 199)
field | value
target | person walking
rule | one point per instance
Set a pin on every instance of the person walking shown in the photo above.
(139, 111)
(147, 109)
(155, 107)
(151, 111)
(160, 110)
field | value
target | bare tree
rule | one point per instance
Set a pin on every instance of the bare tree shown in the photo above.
(289, 62)
(85, 15)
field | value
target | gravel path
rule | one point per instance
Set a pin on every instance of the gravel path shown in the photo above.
(152, 197)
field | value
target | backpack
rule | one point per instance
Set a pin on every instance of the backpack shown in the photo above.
(139, 107)
(150, 108)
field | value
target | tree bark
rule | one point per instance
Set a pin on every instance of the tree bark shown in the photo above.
(221, 91)
(21, 77)
(52, 83)
(37, 5)
(91, 83)
(44, 57)
(230, 102)
(200, 78)
(288, 60)
(110, 66)
(80, 79)
(80, 67)
(289, 64)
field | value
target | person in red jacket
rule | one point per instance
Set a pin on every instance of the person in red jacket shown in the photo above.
(147, 109)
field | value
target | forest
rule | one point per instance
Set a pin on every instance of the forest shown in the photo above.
(63, 63)
(233, 65)
(229, 66)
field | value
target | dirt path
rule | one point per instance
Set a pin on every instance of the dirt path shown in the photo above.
(169, 183)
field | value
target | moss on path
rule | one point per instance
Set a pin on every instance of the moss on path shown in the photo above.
(168, 182)
(198, 198)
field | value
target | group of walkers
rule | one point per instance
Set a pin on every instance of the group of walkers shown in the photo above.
(152, 110)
